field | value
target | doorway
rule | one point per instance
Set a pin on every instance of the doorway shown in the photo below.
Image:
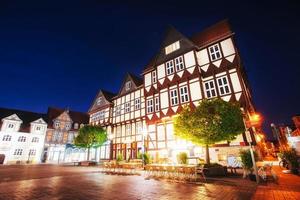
(2, 158)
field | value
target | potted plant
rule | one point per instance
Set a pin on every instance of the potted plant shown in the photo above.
(248, 164)
(182, 158)
(290, 155)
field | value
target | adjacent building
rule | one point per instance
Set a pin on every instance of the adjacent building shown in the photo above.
(184, 71)
(63, 127)
(22, 136)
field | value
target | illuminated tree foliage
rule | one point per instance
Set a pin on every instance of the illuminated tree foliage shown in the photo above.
(211, 122)
(90, 137)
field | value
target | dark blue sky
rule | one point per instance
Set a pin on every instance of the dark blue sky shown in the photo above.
(61, 52)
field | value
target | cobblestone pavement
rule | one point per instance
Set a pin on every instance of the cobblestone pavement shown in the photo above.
(59, 182)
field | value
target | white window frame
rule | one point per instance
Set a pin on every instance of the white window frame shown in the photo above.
(154, 77)
(172, 47)
(179, 64)
(21, 139)
(214, 52)
(118, 110)
(99, 100)
(210, 89)
(170, 67)
(10, 126)
(127, 130)
(174, 97)
(128, 85)
(150, 105)
(184, 94)
(35, 140)
(102, 115)
(222, 86)
(32, 152)
(57, 124)
(127, 107)
(18, 152)
(6, 138)
(137, 103)
(156, 104)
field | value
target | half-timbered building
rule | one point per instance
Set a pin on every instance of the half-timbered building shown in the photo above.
(184, 71)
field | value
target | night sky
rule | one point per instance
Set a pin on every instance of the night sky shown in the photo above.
(61, 53)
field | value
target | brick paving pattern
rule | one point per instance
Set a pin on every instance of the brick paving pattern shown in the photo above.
(60, 182)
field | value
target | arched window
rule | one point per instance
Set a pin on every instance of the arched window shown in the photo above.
(76, 126)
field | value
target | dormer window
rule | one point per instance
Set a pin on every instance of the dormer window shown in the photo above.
(10, 126)
(128, 85)
(68, 126)
(99, 100)
(56, 124)
(38, 128)
(172, 47)
(214, 52)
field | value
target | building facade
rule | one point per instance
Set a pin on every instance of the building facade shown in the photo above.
(63, 127)
(22, 136)
(184, 71)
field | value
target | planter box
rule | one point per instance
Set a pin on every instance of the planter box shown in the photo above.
(215, 171)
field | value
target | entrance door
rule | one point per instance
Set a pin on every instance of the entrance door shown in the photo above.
(2, 158)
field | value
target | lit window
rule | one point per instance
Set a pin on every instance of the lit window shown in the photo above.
(214, 52)
(11, 126)
(55, 136)
(81, 125)
(60, 136)
(137, 104)
(118, 110)
(6, 138)
(128, 85)
(127, 107)
(179, 63)
(57, 124)
(138, 128)
(223, 85)
(210, 89)
(184, 97)
(172, 47)
(118, 131)
(99, 100)
(22, 139)
(35, 140)
(68, 126)
(18, 152)
(70, 137)
(154, 79)
(128, 130)
(102, 115)
(174, 97)
(156, 102)
(76, 126)
(170, 67)
(149, 105)
(32, 152)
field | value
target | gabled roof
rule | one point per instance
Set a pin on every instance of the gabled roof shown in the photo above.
(76, 117)
(171, 35)
(26, 116)
(211, 34)
(108, 99)
(137, 81)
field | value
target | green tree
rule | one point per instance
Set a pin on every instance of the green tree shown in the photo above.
(210, 122)
(90, 137)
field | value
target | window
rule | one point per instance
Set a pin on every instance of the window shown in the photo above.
(210, 89)
(128, 85)
(138, 127)
(76, 126)
(81, 125)
(174, 97)
(170, 67)
(60, 136)
(32, 152)
(99, 100)
(35, 139)
(149, 105)
(68, 126)
(22, 139)
(118, 110)
(18, 152)
(127, 107)
(184, 97)
(137, 104)
(57, 124)
(6, 138)
(179, 63)
(118, 132)
(223, 85)
(128, 130)
(172, 47)
(38, 128)
(102, 115)
(11, 126)
(156, 102)
(214, 52)
(55, 136)
(154, 79)
(70, 137)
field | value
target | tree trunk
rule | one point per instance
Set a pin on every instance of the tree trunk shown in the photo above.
(207, 154)
(88, 156)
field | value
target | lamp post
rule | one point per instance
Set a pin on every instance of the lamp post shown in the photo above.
(254, 120)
